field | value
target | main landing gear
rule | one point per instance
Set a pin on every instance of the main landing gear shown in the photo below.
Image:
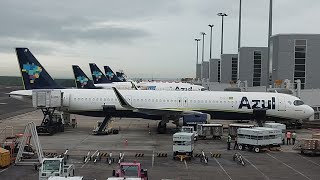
(162, 126)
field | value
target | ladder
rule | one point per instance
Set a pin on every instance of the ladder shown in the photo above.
(30, 129)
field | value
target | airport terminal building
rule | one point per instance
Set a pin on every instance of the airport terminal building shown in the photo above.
(296, 56)
(253, 65)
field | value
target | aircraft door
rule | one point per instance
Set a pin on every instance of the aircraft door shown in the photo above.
(281, 104)
(185, 102)
(179, 102)
(66, 99)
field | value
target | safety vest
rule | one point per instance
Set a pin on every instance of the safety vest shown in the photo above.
(294, 135)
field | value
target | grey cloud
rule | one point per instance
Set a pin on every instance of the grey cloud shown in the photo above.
(51, 21)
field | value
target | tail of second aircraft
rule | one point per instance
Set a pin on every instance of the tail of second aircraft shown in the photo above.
(81, 79)
(110, 74)
(121, 76)
(34, 76)
(97, 75)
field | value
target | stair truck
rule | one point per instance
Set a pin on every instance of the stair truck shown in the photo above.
(214, 131)
(183, 145)
(258, 138)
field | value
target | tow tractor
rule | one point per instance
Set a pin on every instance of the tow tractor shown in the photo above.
(183, 145)
(129, 171)
(55, 167)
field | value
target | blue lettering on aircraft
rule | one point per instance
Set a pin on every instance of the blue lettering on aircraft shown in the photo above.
(258, 103)
(183, 89)
(151, 87)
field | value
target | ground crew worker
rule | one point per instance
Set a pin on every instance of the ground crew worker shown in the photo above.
(288, 136)
(229, 141)
(294, 136)
(235, 143)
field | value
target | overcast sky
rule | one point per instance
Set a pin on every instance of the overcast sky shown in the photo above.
(144, 38)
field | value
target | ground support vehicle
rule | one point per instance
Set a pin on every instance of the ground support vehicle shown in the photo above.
(280, 126)
(210, 130)
(234, 127)
(55, 167)
(183, 145)
(310, 146)
(190, 129)
(194, 119)
(49, 101)
(65, 178)
(258, 138)
(129, 171)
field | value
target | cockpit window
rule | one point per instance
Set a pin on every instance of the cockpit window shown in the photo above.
(298, 102)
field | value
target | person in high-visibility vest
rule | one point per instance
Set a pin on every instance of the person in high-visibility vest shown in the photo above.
(229, 141)
(294, 136)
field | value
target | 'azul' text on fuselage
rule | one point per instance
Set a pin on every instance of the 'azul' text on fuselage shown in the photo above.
(258, 103)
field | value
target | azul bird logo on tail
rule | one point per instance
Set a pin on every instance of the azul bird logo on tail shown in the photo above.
(110, 75)
(82, 80)
(97, 74)
(32, 70)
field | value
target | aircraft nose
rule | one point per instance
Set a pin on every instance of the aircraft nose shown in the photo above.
(309, 111)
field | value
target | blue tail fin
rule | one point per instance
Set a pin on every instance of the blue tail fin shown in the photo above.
(97, 75)
(110, 74)
(34, 76)
(121, 76)
(81, 79)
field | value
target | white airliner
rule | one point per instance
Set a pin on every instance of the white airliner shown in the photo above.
(100, 80)
(159, 105)
(169, 86)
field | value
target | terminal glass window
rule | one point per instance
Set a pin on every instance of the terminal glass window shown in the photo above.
(234, 71)
(300, 49)
(256, 81)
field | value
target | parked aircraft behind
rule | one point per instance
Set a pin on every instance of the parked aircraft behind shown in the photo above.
(101, 80)
(159, 105)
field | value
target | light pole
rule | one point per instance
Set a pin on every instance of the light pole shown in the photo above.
(239, 32)
(222, 15)
(269, 35)
(197, 40)
(211, 26)
(203, 34)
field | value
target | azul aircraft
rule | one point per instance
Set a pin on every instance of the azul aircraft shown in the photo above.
(99, 78)
(159, 105)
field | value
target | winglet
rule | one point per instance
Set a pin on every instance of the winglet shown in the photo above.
(124, 103)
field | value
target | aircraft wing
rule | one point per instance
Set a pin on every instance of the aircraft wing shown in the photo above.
(166, 111)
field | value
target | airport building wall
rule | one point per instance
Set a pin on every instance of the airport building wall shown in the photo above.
(296, 56)
(253, 65)
(229, 68)
(213, 70)
(198, 71)
(205, 70)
